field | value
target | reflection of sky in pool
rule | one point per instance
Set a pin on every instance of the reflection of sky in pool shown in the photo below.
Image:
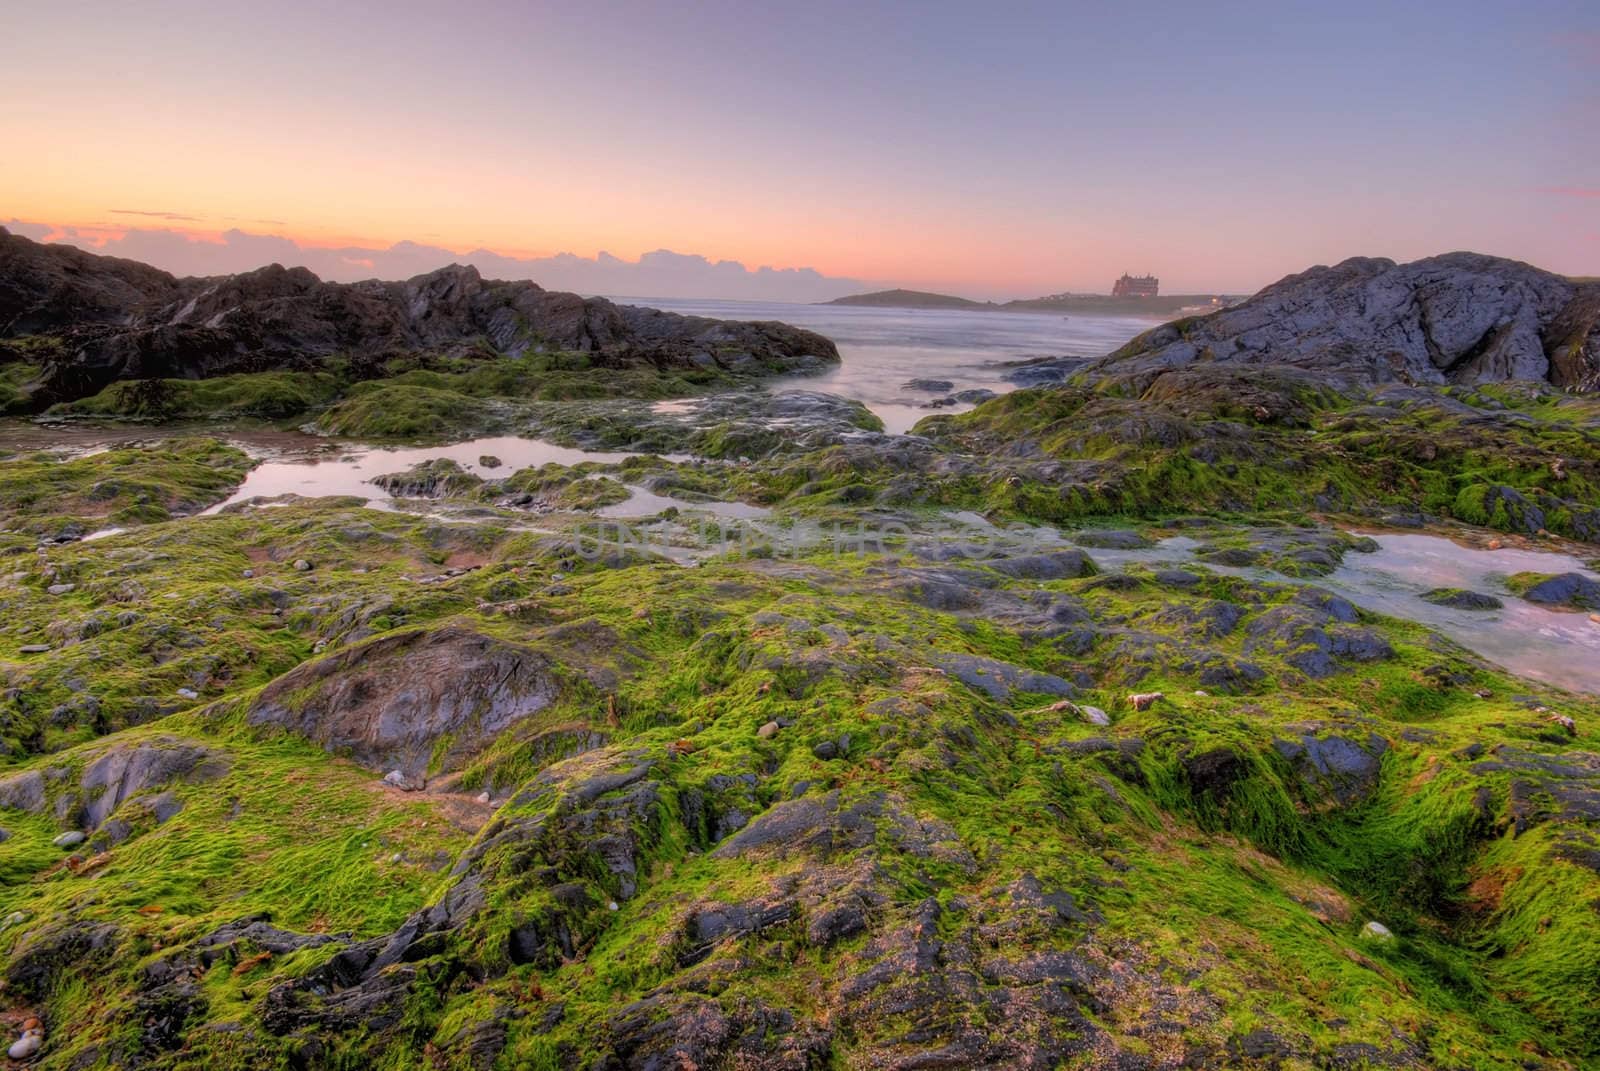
(1531, 641)
(348, 472)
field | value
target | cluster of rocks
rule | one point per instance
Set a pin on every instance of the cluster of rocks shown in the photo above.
(118, 319)
(29, 1043)
(132, 781)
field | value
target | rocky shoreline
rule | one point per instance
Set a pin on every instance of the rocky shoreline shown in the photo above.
(1079, 730)
(91, 322)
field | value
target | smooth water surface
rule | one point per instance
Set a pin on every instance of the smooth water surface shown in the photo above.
(883, 349)
(1558, 647)
(348, 470)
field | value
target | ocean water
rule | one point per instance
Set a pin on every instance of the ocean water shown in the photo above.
(884, 348)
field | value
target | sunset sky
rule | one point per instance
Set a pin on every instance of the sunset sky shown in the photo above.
(990, 149)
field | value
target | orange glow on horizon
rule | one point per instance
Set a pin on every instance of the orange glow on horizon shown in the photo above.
(915, 263)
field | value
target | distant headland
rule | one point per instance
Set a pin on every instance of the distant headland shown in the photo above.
(1130, 296)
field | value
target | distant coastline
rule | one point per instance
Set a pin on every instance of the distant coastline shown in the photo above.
(1155, 307)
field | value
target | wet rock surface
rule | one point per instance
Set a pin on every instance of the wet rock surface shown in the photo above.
(391, 702)
(1570, 590)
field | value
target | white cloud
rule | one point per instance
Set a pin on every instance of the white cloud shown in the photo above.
(659, 274)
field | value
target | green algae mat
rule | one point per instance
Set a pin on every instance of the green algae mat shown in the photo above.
(1080, 731)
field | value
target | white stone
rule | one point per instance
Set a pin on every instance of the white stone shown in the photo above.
(399, 780)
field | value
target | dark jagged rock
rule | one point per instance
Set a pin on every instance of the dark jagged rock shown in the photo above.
(1561, 789)
(37, 963)
(119, 319)
(1043, 371)
(1334, 766)
(1455, 318)
(601, 822)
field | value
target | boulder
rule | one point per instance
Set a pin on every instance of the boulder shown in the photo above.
(1572, 590)
(1053, 565)
(388, 703)
(1457, 599)
(1455, 318)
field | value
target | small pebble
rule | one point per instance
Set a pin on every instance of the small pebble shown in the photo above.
(767, 730)
(188, 693)
(248, 574)
(483, 797)
(612, 905)
(1377, 931)
(70, 839)
(301, 565)
(25, 1046)
(399, 780)
(34, 648)
(60, 589)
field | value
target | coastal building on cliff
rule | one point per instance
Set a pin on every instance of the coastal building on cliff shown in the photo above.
(1135, 286)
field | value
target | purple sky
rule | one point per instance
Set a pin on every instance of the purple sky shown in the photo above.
(999, 150)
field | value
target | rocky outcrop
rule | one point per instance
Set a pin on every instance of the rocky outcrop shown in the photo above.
(410, 699)
(1456, 318)
(123, 774)
(119, 319)
(52, 287)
